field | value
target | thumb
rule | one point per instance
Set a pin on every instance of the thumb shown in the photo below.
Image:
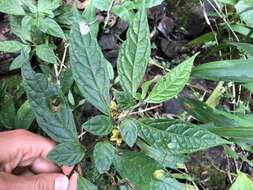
(36, 182)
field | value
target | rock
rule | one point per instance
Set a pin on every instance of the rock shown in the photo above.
(157, 13)
(166, 26)
(172, 107)
(171, 48)
(120, 27)
(108, 42)
(112, 56)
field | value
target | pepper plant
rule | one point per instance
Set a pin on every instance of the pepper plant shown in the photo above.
(133, 150)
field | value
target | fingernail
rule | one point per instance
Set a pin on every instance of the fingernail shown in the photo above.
(61, 183)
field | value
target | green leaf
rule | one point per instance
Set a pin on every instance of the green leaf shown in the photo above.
(248, 86)
(102, 5)
(145, 88)
(124, 100)
(89, 66)
(46, 53)
(247, 47)
(144, 172)
(172, 83)
(134, 53)
(129, 131)
(7, 112)
(49, 26)
(242, 182)
(242, 29)
(228, 70)
(148, 3)
(179, 138)
(164, 158)
(208, 37)
(205, 113)
(20, 31)
(31, 5)
(49, 105)
(99, 125)
(89, 15)
(245, 9)
(230, 2)
(84, 184)
(67, 154)
(103, 155)
(66, 80)
(25, 116)
(47, 6)
(123, 12)
(244, 133)
(10, 46)
(12, 7)
(19, 60)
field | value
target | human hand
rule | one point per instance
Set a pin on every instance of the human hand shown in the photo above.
(24, 164)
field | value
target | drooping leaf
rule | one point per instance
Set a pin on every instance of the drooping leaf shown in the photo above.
(47, 6)
(84, 184)
(242, 29)
(16, 27)
(245, 9)
(179, 138)
(89, 66)
(49, 105)
(206, 114)
(172, 83)
(247, 47)
(99, 125)
(129, 131)
(19, 60)
(242, 182)
(12, 7)
(239, 133)
(46, 53)
(103, 155)
(228, 70)
(49, 26)
(144, 172)
(67, 154)
(89, 15)
(25, 116)
(134, 53)
(7, 112)
(66, 80)
(10, 46)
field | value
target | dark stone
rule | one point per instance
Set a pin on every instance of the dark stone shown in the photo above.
(157, 13)
(166, 26)
(112, 56)
(172, 107)
(171, 48)
(120, 27)
(108, 42)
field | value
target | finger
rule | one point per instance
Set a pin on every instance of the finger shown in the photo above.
(41, 165)
(73, 182)
(36, 182)
(67, 170)
(23, 148)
